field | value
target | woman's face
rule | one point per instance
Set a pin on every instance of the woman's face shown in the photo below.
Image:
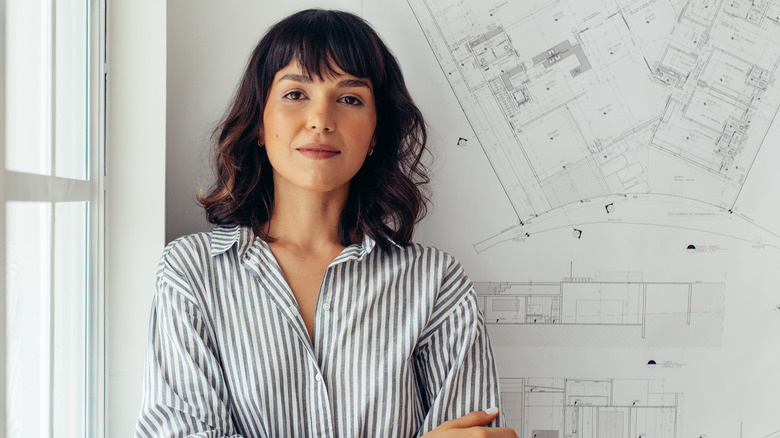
(317, 131)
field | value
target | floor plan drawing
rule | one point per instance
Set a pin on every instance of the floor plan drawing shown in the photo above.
(638, 141)
(620, 310)
(588, 408)
(598, 101)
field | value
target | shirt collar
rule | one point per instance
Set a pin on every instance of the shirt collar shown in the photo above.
(356, 251)
(223, 237)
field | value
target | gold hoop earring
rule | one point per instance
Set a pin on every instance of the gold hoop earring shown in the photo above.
(371, 151)
(259, 144)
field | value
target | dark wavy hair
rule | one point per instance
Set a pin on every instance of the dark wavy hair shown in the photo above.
(388, 195)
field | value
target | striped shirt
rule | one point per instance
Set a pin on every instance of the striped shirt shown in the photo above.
(399, 347)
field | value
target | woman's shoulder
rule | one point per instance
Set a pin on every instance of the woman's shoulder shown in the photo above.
(188, 260)
(448, 280)
(198, 248)
(429, 254)
(218, 240)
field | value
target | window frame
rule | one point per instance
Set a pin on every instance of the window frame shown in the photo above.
(20, 186)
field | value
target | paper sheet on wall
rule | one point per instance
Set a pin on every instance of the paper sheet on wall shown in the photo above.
(613, 193)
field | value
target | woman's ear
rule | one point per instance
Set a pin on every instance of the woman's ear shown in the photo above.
(372, 145)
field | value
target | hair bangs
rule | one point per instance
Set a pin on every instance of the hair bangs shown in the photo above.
(323, 43)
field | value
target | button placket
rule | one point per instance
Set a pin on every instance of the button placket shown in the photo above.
(321, 313)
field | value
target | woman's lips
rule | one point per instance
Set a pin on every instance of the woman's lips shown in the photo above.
(318, 151)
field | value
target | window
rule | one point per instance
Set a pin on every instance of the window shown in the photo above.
(52, 92)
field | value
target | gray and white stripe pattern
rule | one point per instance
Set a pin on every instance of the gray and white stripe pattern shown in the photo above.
(399, 344)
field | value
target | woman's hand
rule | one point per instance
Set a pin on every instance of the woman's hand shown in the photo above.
(469, 425)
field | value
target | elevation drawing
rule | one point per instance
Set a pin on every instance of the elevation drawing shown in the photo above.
(612, 312)
(585, 408)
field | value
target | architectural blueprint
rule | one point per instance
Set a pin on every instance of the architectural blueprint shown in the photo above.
(645, 98)
(609, 181)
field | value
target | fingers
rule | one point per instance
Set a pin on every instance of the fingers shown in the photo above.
(470, 425)
(476, 418)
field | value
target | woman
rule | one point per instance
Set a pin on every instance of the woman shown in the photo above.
(307, 311)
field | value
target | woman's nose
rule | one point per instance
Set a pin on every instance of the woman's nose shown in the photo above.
(320, 117)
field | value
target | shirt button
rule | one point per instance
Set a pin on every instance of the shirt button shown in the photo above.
(326, 306)
(318, 377)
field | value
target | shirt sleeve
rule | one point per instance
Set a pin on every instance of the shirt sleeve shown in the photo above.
(184, 393)
(454, 361)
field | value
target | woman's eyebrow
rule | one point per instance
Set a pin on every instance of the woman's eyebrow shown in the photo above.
(306, 79)
(348, 83)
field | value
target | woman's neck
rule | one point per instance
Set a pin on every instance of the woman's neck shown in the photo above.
(305, 221)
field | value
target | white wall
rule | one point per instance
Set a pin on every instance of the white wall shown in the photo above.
(136, 203)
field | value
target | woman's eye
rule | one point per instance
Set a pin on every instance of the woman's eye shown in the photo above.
(352, 100)
(293, 95)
